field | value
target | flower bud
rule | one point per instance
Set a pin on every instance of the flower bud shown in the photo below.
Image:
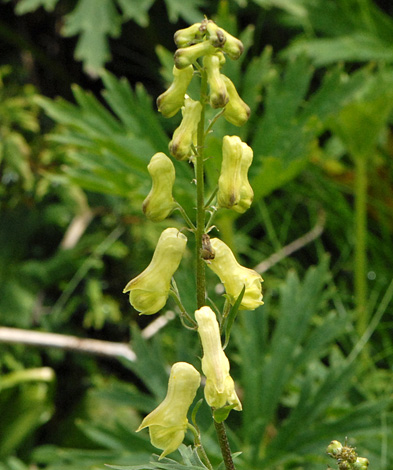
(186, 37)
(218, 92)
(168, 422)
(334, 449)
(219, 388)
(361, 464)
(234, 190)
(234, 277)
(186, 56)
(232, 46)
(159, 203)
(236, 111)
(216, 35)
(180, 145)
(149, 291)
(170, 102)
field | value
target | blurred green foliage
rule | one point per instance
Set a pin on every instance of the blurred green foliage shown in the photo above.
(318, 76)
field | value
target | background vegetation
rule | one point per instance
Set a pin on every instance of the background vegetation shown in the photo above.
(78, 81)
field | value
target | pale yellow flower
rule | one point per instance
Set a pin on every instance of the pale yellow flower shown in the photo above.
(170, 102)
(234, 276)
(168, 422)
(218, 92)
(236, 111)
(219, 388)
(159, 203)
(149, 291)
(234, 190)
(183, 137)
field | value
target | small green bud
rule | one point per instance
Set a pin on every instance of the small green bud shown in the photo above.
(187, 36)
(159, 203)
(218, 92)
(234, 190)
(334, 449)
(219, 388)
(235, 277)
(361, 464)
(186, 56)
(182, 140)
(236, 111)
(168, 422)
(170, 102)
(149, 291)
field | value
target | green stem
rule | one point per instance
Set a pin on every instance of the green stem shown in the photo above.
(199, 176)
(198, 445)
(224, 445)
(185, 216)
(360, 280)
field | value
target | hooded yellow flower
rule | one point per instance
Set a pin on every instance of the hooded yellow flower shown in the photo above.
(168, 422)
(149, 291)
(234, 276)
(219, 388)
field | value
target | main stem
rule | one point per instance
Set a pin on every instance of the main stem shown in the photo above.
(200, 263)
(200, 183)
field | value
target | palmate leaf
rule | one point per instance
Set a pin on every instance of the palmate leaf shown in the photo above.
(94, 22)
(27, 6)
(351, 31)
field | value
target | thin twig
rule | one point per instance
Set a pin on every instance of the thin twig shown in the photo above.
(81, 345)
(71, 343)
(287, 250)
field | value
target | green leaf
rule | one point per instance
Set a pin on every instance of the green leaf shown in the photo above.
(27, 6)
(188, 11)
(358, 47)
(93, 21)
(232, 316)
(221, 414)
(136, 10)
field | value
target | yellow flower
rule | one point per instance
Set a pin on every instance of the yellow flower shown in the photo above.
(218, 92)
(236, 111)
(170, 102)
(219, 388)
(234, 276)
(234, 190)
(149, 291)
(186, 37)
(180, 145)
(168, 422)
(159, 203)
(221, 38)
(186, 56)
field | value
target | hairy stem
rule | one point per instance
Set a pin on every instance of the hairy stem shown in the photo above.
(224, 446)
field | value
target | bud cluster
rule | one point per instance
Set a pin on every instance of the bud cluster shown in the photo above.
(346, 457)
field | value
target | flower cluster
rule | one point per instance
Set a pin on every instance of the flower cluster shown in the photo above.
(202, 49)
(347, 458)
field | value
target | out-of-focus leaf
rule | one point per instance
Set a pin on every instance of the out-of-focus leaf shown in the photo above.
(357, 47)
(186, 10)
(136, 10)
(27, 6)
(93, 21)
